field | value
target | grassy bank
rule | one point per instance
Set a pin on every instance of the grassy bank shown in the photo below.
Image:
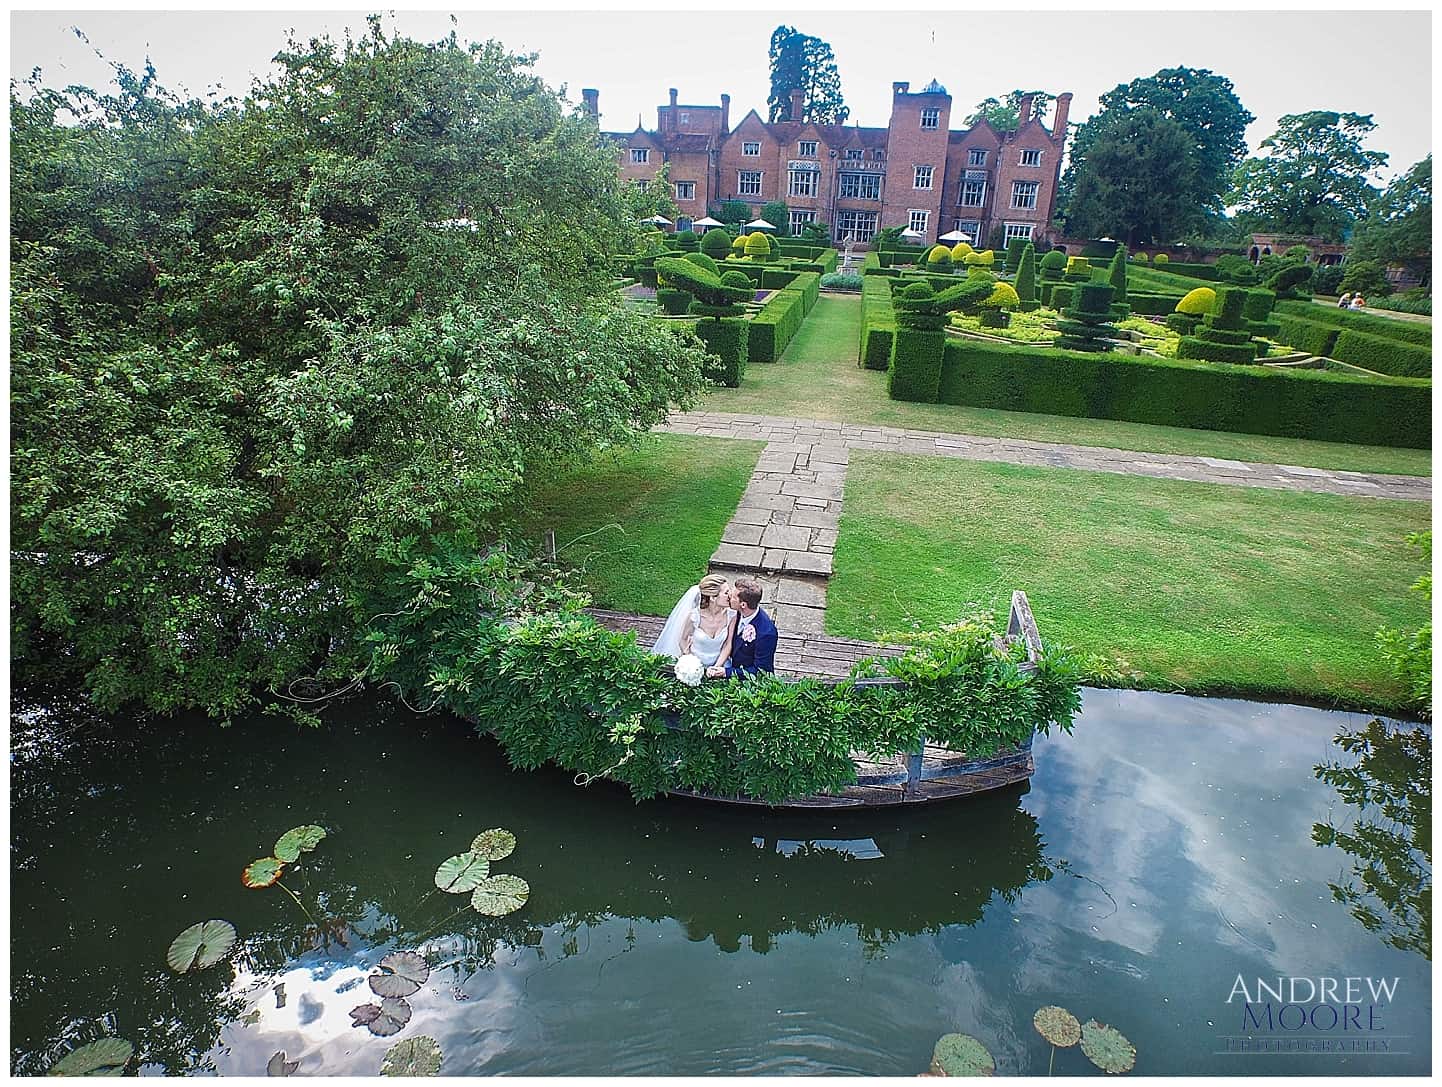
(818, 378)
(641, 524)
(1196, 587)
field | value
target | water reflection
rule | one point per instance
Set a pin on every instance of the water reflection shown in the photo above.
(1387, 791)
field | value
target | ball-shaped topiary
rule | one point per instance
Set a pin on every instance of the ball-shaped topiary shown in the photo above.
(1053, 264)
(738, 245)
(918, 289)
(716, 243)
(758, 246)
(1140, 257)
(1003, 296)
(960, 251)
(1161, 258)
(938, 257)
(687, 242)
(737, 279)
(1199, 301)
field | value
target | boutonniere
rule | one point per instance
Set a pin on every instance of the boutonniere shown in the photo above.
(748, 633)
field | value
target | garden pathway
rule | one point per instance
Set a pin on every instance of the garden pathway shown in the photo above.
(784, 529)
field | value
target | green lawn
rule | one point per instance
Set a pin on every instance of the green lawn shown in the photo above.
(818, 378)
(1196, 587)
(651, 516)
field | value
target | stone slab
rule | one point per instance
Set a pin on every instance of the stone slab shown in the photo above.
(815, 518)
(742, 534)
(806, 562)
(737, 555)
(787, 537)
(824, 537)
(768, 501)
(753, 515)
(799, 620)
(804, 592)
(827, 491)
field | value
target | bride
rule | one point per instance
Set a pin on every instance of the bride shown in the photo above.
(700, 624)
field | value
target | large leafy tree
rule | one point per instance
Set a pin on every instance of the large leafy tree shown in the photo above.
(1136, 183)
(264, 352)
(1004, 115)
(804, 61)
(1316, 180)
(1207, 108)
(1398, 226)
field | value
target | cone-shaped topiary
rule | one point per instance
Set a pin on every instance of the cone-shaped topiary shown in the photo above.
(1053, 265)
(1026, 279)
(1117, 276)
(1014, 250)
(1084, 326)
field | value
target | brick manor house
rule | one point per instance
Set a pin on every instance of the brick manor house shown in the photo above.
(916, 172)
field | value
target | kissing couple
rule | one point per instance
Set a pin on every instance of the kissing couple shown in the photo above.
(723, 626)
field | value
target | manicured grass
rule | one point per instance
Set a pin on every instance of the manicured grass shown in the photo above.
(818, 378)
(1198, 587)
(654, 514)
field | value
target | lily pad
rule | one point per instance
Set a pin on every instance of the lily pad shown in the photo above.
(383, 1019)
(414, 1057)
(494, 844)
(290, 845)
(279, 1066)
(1057, 1025)
(497, 896)
(201, 945)
(962, 1055)
(262, 873)
(103, 1057)
(400, 973)
(461, 873)
(1107, 1048)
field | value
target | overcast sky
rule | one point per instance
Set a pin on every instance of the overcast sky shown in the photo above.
(1280, 62)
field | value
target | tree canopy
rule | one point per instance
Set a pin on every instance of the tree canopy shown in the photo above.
(806, 62)
(1004, 115)
(1137, 180)
(1398, 226)
(265, 351)
(1316, 179)
(1208, 111)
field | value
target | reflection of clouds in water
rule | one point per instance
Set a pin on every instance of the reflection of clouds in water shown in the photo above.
(1226, 816)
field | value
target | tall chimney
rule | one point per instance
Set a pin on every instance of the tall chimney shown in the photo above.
(1024, 111)
(899, 88)
(725, 114)
(673, 97)
(1058, 125)
(590, 98)
(797, 98)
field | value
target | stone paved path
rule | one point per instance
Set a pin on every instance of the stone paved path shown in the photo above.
(784, 529)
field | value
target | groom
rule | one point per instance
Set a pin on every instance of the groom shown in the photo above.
(754, 647)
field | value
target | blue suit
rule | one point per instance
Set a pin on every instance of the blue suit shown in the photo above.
(757, 655)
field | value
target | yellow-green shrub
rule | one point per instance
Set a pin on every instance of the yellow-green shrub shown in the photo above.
(960, 251)
(1199, 301)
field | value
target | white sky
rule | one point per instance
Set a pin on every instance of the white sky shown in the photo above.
(1280, 62)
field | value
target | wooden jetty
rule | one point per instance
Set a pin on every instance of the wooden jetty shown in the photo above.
(930, 774)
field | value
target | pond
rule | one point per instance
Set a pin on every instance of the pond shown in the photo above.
(1162, 851)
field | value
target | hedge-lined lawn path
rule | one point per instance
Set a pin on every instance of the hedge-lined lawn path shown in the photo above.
(834, 440)
(818, 377)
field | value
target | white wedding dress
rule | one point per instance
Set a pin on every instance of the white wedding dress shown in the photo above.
(686, 615)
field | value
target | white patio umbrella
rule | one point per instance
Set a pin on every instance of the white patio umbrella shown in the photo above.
(706, 224)
(912, 235)
(759, 224)
(955, 236)
(658, 220)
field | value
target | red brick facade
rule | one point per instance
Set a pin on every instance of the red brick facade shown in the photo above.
(917, 171)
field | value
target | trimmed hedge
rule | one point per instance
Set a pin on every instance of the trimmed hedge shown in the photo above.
(1193, 271)
(1151, 305)
(878, 322)
(726, 349)
(915, 370)
(1407, 331)
(673, 301)
(1308, 336)
(773, 327)
(1317, 404)
(1383, 355)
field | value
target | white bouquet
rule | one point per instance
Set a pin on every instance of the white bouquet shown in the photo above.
(689, 670)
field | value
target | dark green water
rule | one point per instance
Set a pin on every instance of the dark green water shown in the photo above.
(1162, 850)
